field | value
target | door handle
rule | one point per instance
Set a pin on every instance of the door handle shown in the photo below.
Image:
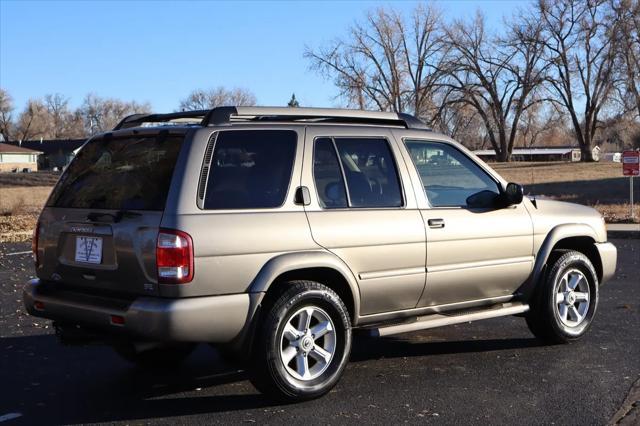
(436, 223)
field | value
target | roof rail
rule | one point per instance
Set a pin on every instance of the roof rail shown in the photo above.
(227, 114)
(137, 119)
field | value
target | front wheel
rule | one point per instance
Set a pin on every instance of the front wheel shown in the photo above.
(564, 306)
(303, 344)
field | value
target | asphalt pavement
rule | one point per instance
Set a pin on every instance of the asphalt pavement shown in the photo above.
(489, 372)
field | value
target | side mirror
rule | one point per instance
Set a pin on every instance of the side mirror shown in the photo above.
(513, 194)
(483, 199)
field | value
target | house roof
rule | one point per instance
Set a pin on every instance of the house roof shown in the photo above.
(51, 146)
(11, 149)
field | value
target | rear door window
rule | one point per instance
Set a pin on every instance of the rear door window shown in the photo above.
(328, 175)
(250, 169)
(120, 173)
(368, 167)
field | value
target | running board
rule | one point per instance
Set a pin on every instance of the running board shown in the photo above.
(439, 320)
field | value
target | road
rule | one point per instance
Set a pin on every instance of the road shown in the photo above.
(487, 372)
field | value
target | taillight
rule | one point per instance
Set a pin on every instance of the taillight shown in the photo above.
(34, 243)
(174, 257)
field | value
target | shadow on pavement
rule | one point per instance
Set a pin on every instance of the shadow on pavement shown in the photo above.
(370, 348)
(50, 383)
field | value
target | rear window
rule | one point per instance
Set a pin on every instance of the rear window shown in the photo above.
(250, 169)
(132, 173)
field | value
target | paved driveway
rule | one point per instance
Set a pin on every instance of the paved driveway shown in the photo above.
(486, 372)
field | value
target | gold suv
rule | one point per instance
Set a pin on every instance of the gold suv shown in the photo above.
(275, 232)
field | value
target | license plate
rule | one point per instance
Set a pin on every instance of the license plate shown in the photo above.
(89, 249)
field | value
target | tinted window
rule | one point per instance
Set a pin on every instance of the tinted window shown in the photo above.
(328, 176)
(449, 177)
(370, 171)
(132, 173)
(250, 169)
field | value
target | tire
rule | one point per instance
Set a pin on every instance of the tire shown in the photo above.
(566, 301)
(289, 361)
(164, 356)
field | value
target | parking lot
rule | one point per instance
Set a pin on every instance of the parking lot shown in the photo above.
(487, 372)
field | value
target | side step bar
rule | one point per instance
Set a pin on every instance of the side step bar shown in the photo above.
(439, 320)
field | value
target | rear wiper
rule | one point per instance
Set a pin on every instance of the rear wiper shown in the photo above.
(115, 218)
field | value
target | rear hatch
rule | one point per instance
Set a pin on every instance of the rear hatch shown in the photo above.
(100, 225)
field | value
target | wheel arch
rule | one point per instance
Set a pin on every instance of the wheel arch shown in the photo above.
(573, 236)
(320, 266)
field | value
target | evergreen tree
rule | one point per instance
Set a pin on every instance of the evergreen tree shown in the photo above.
(293, 103)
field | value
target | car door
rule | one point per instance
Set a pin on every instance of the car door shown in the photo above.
(364, 211)
(473, 254)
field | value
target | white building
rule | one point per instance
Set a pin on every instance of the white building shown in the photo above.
(16, 158)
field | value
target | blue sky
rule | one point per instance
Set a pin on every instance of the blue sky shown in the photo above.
(158, 51)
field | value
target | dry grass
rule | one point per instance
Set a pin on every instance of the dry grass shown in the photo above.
(28, 179)
(22, 200)
(19, 209)
(527, 173)
(600, 185)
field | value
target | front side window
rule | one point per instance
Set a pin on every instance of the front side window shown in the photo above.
(367, 166)
(449, 177)
(250, 169)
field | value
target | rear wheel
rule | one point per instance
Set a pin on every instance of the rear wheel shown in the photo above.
(303, 344)
(154, 356)
(565, 304)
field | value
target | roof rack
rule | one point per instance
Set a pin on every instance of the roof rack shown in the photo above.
(229, 114)
(136, 120)
(226, 115)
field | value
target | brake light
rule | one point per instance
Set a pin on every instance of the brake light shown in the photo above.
(34, 243)
(174, 257)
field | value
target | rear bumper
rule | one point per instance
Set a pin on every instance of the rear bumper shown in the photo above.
(214, 319)
(608, 257)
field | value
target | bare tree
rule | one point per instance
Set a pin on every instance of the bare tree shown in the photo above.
(206, 99)
(538, 123)
(102, 114)
(6, 115)
(462, 122)
(579, 45)
(62, 122)
(495, 76)
(386, 63)
(33, 122)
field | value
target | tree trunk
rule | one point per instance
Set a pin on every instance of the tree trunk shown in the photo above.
(504, 156)
(586, 153)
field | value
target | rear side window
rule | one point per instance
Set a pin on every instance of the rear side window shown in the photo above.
(368, 167)
(132, 173)
(328, 175)
(250, 169)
